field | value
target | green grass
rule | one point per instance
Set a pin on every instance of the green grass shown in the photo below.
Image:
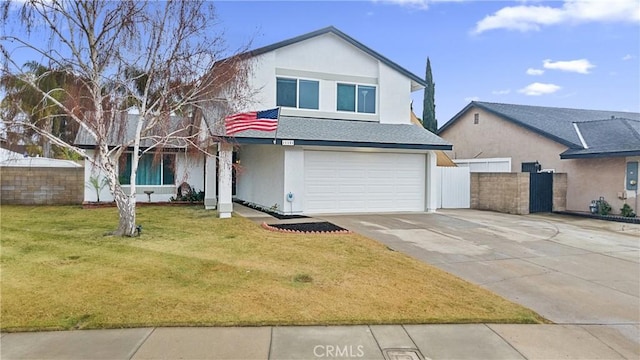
(188, 268)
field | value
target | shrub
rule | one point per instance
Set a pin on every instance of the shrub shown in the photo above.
(603, 207)
(627, 211)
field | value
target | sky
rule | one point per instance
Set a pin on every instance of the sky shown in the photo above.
(576, 54)
(563, 53)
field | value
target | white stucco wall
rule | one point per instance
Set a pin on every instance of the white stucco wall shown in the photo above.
(395, 96)
(189, 168)
(294, 180)
(89, 192)
(330, 60)
(260, 176)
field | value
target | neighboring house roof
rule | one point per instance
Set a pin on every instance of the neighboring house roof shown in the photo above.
(179, 125)
(554, 123)
(348, 133)
(345, 37)
(609, 137)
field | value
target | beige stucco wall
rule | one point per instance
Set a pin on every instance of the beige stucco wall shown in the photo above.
(587, 179)
(495, 137)
(559, 192)
(41, 186)
(503, 192)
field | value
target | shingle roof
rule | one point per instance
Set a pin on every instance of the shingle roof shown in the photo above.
(347, 38)
(349, 133)
(609, 137)
(551, 122)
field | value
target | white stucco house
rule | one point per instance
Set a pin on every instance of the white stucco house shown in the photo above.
(345, 141)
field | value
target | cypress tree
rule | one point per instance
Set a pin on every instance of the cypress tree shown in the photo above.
(429, 120)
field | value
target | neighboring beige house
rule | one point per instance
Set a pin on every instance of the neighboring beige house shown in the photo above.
(599, 150)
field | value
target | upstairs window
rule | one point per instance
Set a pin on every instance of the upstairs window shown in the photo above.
(356, 98)
(150, 171)
(297, 93)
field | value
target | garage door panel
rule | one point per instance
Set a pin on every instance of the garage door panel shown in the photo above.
(363, 182)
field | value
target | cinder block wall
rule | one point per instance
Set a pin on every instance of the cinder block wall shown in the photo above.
(503, 192)
(559, 191)
(41, 186)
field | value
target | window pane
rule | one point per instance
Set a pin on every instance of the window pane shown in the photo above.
(148, 171)
(168, 169)
(309, 94)
(286, 92)
(124, 169)
(366, 99)
(346, 97)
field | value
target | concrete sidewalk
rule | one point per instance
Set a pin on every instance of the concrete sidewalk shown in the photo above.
(473, 341)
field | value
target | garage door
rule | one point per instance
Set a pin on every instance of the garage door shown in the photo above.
(340, 182)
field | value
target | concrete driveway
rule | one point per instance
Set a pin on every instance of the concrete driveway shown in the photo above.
(569, 270)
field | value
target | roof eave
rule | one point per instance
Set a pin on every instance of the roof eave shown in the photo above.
(596, 155)
(454, 118)
(331, 143)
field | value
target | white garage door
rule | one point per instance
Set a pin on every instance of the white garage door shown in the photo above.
(340, 182)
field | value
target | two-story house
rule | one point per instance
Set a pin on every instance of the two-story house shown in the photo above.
(345, 142)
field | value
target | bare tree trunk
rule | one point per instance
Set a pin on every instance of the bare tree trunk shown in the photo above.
(127, 211)
(126, 203)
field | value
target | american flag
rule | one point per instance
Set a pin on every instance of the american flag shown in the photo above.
(266, 120)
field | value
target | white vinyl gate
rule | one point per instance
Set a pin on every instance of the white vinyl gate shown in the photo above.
(455, 188)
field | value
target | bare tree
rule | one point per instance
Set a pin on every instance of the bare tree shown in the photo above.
(156, 56)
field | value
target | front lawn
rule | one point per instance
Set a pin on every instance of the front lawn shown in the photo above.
(59, 271)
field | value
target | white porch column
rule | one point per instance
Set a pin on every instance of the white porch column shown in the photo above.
(210, 183)
(431, 193)
(225, 206)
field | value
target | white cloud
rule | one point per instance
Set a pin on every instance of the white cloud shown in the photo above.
(628, 57)
(537, 89)
(501, 92)
(581, 66)
(418, 4)
(533, 17)
(471, 98)
(534, 72)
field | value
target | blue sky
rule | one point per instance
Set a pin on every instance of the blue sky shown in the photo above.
(580, 54)
(564, 53)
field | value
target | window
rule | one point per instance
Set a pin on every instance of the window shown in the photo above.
(360, 98)
(151, 171)
(297, 93)
(476, 118)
